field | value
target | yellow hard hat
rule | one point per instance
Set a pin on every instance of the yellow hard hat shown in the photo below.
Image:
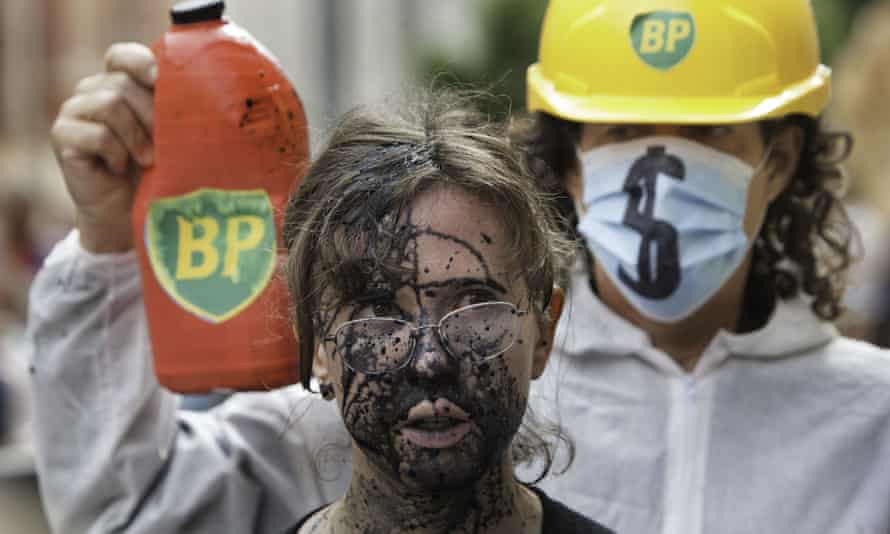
(678, 61)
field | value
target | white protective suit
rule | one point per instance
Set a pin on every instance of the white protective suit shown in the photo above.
(783, 430)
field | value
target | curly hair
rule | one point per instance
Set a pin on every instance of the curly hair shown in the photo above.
(806, 243)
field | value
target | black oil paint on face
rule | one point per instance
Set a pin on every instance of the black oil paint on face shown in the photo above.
(375, 408)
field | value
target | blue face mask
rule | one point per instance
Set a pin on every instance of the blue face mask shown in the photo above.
(665, 220)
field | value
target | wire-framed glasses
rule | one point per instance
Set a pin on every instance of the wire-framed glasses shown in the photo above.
(378, 345)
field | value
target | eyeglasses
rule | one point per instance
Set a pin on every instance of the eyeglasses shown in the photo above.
(477, 332)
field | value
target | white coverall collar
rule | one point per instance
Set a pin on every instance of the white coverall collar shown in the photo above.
(588, 327)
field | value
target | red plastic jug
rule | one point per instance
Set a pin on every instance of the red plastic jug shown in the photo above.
(230, 141)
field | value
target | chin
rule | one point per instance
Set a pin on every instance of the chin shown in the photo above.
(446, 470)
(436, 477)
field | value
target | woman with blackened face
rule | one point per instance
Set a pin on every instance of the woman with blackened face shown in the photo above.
(431, 368)
(422, 265)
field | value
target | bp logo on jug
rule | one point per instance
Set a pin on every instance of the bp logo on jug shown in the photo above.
(212, 251)
(663, 38)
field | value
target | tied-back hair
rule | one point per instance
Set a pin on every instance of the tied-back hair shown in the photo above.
(806, 243)
(341, 226)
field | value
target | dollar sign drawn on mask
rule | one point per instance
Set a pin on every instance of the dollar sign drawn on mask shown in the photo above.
(658, 283)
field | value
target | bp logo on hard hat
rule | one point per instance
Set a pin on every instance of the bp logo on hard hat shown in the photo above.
(212, 251)
(663, 38)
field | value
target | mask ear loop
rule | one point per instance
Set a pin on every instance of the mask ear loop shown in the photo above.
(767, 155)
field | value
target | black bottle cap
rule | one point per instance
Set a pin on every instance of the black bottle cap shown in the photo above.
(192, 11)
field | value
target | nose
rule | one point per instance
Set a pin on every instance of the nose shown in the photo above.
(432, 362)
(658, 130)
(667, 130)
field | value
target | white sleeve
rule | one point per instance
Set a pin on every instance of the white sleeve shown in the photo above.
(113, 452)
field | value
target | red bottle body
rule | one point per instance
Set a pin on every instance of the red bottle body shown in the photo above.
(231, 145)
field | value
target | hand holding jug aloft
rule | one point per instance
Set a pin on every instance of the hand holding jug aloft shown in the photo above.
(103, 139)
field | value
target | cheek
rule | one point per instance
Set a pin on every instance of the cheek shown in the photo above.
(503, 381)
(368, 405)
(518, 361)
(747, 145)
(501, 390)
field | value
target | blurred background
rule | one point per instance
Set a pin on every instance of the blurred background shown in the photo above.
(340, 53)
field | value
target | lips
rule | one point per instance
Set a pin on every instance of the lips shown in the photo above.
(436, 425)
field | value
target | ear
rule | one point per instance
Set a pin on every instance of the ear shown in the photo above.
(320, 364)
(321, 371)
(783, 162)
(545, 344)
(319, 361)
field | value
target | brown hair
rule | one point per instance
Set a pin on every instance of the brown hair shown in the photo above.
(806, 242)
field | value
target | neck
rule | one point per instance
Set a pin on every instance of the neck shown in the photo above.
(684, 341)
(378, 501)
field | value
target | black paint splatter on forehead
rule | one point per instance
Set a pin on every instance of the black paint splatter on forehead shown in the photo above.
(383, 267)
(373, 185)
(372, 217)
(377, 224)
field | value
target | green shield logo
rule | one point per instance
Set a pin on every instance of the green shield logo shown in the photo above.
(663, 38)
(213, 251)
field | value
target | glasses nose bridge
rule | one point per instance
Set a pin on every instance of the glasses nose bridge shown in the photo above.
(418, 332)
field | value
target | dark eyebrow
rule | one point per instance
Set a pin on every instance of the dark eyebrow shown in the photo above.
(458, 283)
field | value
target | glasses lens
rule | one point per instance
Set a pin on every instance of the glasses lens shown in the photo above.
(481, 331)
(374, 345)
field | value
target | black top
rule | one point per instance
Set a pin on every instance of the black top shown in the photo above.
(192, 11)
(556, 518)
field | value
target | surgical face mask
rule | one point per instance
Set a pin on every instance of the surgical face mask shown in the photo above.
(665, 220)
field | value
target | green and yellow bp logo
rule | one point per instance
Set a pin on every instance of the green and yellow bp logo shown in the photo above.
(212, 251)
(663, 38)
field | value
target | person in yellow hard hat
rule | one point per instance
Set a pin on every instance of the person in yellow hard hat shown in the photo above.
(699, 365)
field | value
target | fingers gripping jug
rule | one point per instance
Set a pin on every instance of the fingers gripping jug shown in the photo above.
(231, 143)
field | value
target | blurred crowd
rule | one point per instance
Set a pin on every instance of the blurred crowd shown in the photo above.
(861, 89)
(34, 214)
